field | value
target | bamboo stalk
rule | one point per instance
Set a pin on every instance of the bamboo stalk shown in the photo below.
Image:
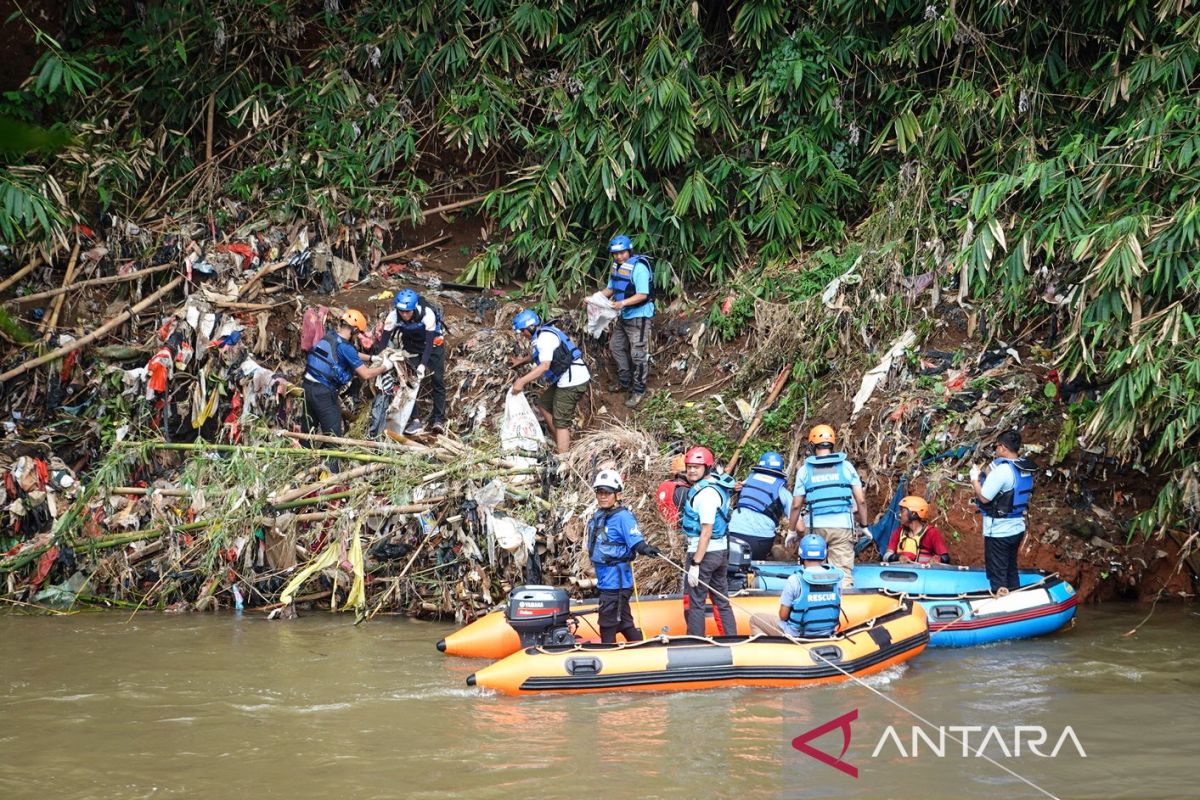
(273, 451)
(132, 276)
(378, 511)
(410, 250)
(342, 440)
(256, 277)
(21, 273)
(332, 480)
(776, 388)
(51, 321)
(21, 369)
(311, 501)
(144, 490)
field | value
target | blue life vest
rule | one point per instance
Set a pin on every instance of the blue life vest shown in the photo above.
(565, 355)
(826, 491)
(760, 492)
(324, 365)
(817, 610)
(689, 518)
(412, 332)
(1012, 503)
(622, 280)
(602, 550)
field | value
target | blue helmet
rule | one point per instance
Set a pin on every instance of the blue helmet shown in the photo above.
(812, 547)
(406, 300)
(620, 243)
(771, 460)
(525, 320)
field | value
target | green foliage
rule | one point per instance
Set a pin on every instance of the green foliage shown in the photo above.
(730, 326)
(700, 422)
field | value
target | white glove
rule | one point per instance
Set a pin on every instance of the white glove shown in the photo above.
(864, 532)
(974, 472)
(694, 575)
(790, 539)
(420, 372)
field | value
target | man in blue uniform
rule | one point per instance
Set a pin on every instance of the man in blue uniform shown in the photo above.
(331, 364)
(631, 288)
(762, 502)
(613, 542)
(1003, 498)
(424, 336)
(810, 606)
(828, 495)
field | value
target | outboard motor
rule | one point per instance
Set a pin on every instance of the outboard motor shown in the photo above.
(539, 615)
(739, 565)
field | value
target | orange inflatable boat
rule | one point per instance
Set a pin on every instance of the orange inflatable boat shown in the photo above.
(877, 632)
(491, 636)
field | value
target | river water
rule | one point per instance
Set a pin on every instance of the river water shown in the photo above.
(103, 705)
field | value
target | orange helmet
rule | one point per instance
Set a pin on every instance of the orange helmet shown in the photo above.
(677, 465)
(822, 434)
(355, 319)
(918, 507)
(699, 455)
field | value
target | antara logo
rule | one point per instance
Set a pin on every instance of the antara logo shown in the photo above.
(994, 741)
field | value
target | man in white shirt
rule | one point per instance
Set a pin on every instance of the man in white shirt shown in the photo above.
(559, 364)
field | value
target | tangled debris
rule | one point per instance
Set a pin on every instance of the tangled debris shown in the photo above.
(200, 491)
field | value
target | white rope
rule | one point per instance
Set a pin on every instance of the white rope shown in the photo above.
(893, 701)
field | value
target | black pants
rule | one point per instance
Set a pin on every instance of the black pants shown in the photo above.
(616, 616)
(322, 411)
(437, 382)
(760, 546)
(714, 571)
(1000, 560)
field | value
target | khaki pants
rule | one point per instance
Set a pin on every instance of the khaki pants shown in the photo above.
(767, 624)
(840, 544)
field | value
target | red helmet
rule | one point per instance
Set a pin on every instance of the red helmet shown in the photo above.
(699, 455)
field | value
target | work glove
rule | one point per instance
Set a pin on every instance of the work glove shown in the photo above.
(642, 548)
(387, 382)
(694, 575)
(974, 472)
(420, 372)
(864, 532)
(790, 539)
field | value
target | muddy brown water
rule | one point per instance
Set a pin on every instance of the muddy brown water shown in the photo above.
(108, 706)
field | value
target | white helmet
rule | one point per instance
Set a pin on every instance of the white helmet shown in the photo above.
(608, 479)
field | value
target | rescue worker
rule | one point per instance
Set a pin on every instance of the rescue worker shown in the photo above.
(1003, 498)
(613, 542)
(331, 364)
(915, 540)
(631, 289)
(762, 502)
(810, 606)
(828, 495)
(422, 334)
(705, 522)
(672, 493)
(559, 364)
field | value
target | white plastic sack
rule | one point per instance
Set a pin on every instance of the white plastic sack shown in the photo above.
(600, 314)
(512, 535)
(520, 429)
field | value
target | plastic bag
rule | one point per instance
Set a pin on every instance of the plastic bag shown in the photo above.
(520, 429)
(600, 314)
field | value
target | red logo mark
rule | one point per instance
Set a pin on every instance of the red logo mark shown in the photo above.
(843, 722)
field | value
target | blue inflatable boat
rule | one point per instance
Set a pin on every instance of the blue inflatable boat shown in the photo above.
(957, 600)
